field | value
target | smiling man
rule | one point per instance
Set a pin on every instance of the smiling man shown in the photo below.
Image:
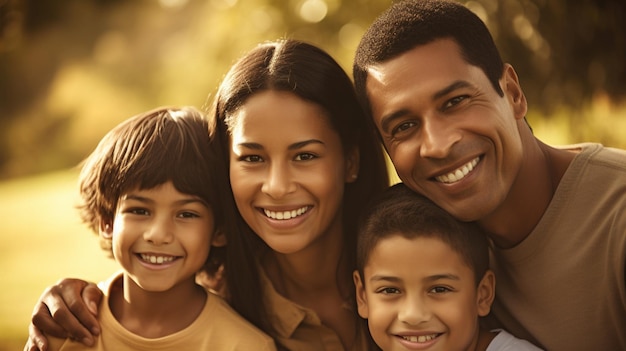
(451, 115)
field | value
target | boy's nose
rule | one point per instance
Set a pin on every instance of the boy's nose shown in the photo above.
(159, 233)
(414, 311)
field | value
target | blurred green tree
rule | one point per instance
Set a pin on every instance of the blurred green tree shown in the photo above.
(71, 69)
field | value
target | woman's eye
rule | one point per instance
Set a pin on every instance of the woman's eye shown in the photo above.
(403, 127)
(252, 158)
(187, 214)
(305, 156)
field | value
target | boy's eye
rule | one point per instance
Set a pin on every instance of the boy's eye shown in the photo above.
(388, 291)
(440, 290)
(138, 211)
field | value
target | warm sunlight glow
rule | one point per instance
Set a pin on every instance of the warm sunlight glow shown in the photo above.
(313, 10)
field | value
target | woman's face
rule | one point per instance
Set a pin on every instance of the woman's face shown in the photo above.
(288, 170)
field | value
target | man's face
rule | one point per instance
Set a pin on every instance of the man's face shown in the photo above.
(449, 134)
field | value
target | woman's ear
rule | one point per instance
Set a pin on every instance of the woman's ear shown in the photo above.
(485, 293)
(513, 92)
(352, 165)
(361, 296)
(218, 239)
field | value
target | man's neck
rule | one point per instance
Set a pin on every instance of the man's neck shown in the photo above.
(530, 195)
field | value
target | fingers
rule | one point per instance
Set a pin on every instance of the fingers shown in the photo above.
(91, 297)
(36, 340)
(62, 312)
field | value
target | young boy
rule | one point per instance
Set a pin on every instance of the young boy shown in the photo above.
(152, 190)
(423, 278)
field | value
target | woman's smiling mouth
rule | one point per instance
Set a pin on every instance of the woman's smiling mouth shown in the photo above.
(284, 215)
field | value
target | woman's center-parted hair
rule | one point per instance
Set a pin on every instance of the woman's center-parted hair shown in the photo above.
(401, 211)
(148, 150)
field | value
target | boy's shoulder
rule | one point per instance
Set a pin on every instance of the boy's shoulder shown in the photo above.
(505, 341)
(222, 324)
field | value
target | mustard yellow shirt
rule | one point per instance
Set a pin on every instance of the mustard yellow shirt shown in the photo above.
(217, 328)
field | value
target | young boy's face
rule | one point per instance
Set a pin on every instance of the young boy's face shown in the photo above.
(160, 236)
(419, 294)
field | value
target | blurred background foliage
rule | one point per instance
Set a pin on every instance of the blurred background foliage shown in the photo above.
(72, 69)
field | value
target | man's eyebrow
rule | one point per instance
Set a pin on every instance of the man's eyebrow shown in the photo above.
(450, 88)
(385, 121)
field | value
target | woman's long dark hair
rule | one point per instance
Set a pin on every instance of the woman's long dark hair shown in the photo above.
(313, 75)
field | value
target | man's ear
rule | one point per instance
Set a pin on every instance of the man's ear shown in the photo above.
(485, 293)
(352, 165)
(513, 91)
(361, 296)
(218, 239)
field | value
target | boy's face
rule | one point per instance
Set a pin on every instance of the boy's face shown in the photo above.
(451, 137)
(419, 294)
(161, 237)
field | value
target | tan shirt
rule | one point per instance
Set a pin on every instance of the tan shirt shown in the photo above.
(564, 286)
(217, 328)
(300, 328)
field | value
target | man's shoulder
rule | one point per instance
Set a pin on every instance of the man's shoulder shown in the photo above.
(599, 155)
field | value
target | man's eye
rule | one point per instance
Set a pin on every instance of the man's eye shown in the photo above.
(403, 127)
(305, 156)
(454, 101)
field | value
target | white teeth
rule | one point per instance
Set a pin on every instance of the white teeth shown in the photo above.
(421, 338)
(157, 259)
(286, 214)
(458, 174)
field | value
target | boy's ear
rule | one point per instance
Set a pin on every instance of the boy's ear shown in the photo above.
(361, 297)
(352, 165)
(485, 293)
(106, 229)
(218, 239)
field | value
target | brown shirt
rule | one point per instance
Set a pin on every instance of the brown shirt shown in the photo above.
(300, 328)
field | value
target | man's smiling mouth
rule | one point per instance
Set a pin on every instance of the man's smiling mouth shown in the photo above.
(459, 173)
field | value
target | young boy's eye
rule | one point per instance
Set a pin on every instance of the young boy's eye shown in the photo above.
(138, 211)
(440, 290)
(388, 291)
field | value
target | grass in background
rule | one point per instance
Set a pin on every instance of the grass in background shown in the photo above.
(42, 240)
